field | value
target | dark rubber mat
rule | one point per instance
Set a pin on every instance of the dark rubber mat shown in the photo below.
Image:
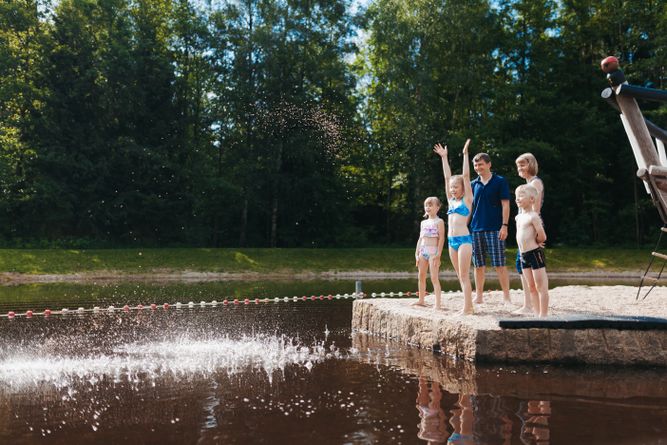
(630, 323)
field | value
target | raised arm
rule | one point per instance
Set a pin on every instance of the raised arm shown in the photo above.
(447, 173)
(466, 175)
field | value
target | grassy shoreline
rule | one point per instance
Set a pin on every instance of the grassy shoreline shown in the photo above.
(283, 261)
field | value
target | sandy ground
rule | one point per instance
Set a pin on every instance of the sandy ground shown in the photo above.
(564, 300)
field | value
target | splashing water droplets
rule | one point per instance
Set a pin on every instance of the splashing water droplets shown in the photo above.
(147, 361)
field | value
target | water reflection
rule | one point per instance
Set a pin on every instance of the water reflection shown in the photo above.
(462, 421)
(535, 415)
(432, 417)
(485, 404)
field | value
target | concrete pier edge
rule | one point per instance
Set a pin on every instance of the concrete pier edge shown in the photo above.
(478, 338)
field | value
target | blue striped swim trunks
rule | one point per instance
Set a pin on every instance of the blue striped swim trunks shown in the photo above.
(487, 243)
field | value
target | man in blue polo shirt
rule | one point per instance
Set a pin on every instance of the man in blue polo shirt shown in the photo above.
(490, 216)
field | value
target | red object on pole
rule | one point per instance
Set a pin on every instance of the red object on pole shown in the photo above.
(11, 314)
(28, 314)
(165, 306)
(153, 306)
(609, 64)
(47, 312)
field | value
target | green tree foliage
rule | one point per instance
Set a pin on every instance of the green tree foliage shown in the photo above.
(430, 78)
(301, 123)
(21, 95)
(283, 100)
(516, 76)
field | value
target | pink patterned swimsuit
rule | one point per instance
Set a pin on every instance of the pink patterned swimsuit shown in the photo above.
(429, 229)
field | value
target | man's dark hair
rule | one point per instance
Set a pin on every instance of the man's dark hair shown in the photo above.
(482, 157)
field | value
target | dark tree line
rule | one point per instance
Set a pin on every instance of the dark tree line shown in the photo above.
(309, 122)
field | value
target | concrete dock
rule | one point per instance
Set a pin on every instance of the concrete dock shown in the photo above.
(480, 338)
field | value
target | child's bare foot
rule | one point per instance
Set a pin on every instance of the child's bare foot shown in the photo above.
(419, 303)
(524, 310)
(466, 311)
(479, 300)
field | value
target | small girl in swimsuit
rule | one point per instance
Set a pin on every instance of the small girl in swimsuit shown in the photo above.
(459, 195)
(429, 247)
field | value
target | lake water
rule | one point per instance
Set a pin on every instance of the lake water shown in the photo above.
(283, 373)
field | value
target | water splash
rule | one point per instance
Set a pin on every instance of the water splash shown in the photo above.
(146, 361)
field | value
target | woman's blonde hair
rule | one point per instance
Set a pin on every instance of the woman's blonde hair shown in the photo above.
(532, 162)
(433, 200)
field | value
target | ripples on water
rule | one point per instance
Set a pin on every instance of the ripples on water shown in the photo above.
(293, 373)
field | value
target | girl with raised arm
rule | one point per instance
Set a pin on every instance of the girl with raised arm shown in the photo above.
(459, 198)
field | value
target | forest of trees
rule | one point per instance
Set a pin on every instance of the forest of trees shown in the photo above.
(281, 123)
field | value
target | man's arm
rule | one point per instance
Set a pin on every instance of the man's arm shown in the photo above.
(506, 217)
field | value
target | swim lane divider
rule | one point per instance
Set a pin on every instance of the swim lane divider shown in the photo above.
(226, 302)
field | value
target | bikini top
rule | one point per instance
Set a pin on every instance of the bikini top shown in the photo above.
(461, 209)
(429, 228)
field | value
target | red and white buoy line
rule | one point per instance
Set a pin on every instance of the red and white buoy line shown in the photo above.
(226, 302)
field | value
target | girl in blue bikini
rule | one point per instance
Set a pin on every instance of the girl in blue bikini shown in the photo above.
(459, 197)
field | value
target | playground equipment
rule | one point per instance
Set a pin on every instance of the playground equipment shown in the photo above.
(651, 158)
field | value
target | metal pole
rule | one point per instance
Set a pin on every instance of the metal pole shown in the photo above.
(642, 93)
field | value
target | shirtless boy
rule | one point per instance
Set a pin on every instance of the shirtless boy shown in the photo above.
(529, 235)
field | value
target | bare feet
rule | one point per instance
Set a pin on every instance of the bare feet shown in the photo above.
(420, 304)
(464, 311)
(524, 310)
(479, 300)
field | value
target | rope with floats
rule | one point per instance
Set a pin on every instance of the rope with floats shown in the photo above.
(178, 305)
